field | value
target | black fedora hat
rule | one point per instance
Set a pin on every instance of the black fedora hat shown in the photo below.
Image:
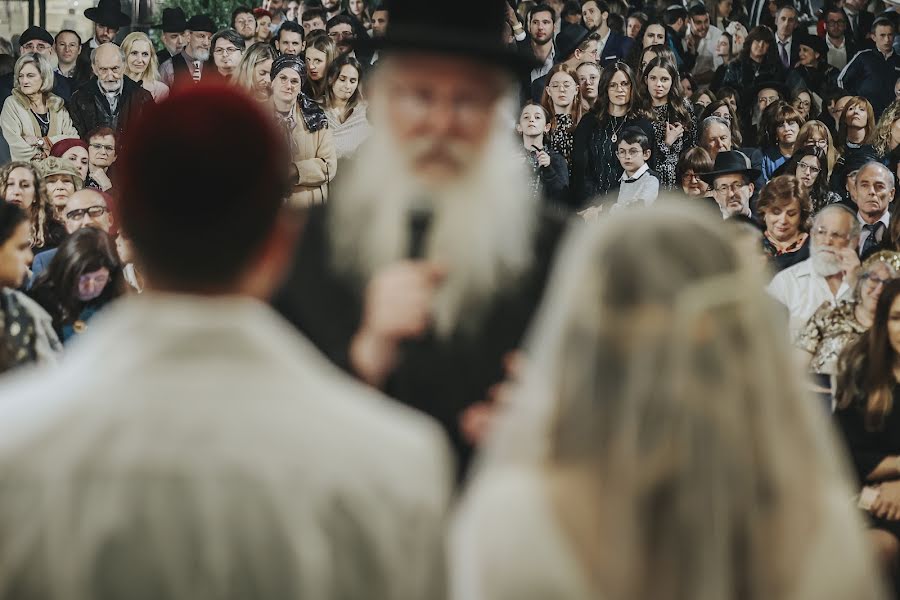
(422, 26)
(729, 162)
(815, 43)
(108, 13)
(568, 40)
(202, 23)
(173, 20)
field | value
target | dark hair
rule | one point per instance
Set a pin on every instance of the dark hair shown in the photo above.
(615, 23)
(73, 32)
(774, 115)
(7, 64)
(602, 5)
(341, 20)
(781, 191)
(819, 188)
(696, 159)
(570, 8)
(11, 216)
(312, 13)
(102, 131)
(217, 215)
(677, 106)
(601, 106)
(334, 72)
(240, 10)
(538, 8)
(833, 9)
(865, 369)
(883, 21)
(84, 251)
(760, 33)
(292, 27)
(673, 13)
(229, 35)
(634, 135)
(698, 10)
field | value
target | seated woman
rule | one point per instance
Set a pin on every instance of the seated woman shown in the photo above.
(785, 209)
(305, 125)
(21, 184)
(692, 165)
(76, 152)
(867, 393)
(832, 328)
(61, 180)
(779, 127)
(713, 478)
(142, 65)
(26, 330)
(810, 166)
(562, 99)
(346, 107)
(33, 117)
(83, 278)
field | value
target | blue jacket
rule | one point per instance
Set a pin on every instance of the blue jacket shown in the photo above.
(40, 264)
(616, 48)
(772, 158)
(871, 75)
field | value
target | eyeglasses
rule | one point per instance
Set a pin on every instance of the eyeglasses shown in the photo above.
(834, 22)
(801, 103)
(818, 143)
(99, 147)
(832, 236)
(620, 86)
(565, 86)
(725, 188)
(92, 211)
(811, 169)
(874, 280)
(340, 35)
(689, 177)
(225, 51)
(633, 152)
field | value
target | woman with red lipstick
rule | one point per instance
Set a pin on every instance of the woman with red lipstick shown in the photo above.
(785, 209)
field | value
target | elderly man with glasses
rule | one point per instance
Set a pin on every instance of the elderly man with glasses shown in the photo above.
(826, 276)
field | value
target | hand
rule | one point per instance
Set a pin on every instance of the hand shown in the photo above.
(691, 44)
(101, 178)
(591, 213)
(397, 307)
(477, 421)
(543, 159)
(887, 505)
(849, 263)
(673, 132)
(511, 17)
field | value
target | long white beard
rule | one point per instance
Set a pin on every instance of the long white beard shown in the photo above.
(824, 263)
(201, 55)
(482, 228)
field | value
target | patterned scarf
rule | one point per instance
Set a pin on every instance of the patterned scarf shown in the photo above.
(313, 115)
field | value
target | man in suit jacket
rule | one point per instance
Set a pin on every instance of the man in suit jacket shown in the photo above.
(874, 187)
(786, 46)
(859, 19)
(841, 45)
(611, 46)
(108, 18)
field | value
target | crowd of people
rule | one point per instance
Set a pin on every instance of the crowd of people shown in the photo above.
(625, 277)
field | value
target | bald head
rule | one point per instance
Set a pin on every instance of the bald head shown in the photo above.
(87, 208)
(108, 62)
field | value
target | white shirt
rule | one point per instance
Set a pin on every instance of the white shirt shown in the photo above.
(602, 43)
(639, 188)
(707, 61)
(837, 55)
(803, 291)
(223, 395)
(538, 72)
(864, 233)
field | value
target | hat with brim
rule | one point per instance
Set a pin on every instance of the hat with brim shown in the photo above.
(814, 43)
(173, 20)
(568, 40)
(53, 165)
(108, 13)
(202, 23)
(732, 162)
(422, 27)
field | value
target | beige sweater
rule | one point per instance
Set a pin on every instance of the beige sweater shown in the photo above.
(316, 161)
(17, 121)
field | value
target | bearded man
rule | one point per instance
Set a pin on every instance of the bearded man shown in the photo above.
(826, 275)
(421, 274)
(109, 98)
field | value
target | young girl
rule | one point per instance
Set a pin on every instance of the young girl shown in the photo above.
(562, 99)
(550, 173)
(673, 120)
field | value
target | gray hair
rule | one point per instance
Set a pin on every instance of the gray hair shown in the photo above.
(119, 48)
(855, 227)
(873, 163)
(43, 66)
(709, 122)
(232, 36)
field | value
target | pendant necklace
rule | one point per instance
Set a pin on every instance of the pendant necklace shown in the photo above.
(615, 137)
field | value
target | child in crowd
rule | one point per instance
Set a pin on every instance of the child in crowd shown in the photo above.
(550, 172)
(638, 184)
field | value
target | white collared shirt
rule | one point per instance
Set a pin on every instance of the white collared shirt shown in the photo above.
(837, 55)
(542, 70)
(707, 61)
(639, 187)
(787, 47)
(864, 233)
(803, 291)
(602, 43)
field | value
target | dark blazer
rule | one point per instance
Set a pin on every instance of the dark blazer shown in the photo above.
(40, 264)
(863, 27)
(89, 107)
(794, 55)
(616, 48)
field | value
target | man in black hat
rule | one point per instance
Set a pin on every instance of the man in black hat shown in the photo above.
(108, 18)
(174, 33)
(731, 181)
(421, 273)
(36, 40)
(190, 65)
(574, 45)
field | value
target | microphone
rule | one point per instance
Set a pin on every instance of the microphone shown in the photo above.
(420, 216)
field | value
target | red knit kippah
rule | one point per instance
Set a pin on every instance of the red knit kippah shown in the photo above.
(63, 146)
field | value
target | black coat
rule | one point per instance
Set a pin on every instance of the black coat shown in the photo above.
(439, 377)
(89, 108)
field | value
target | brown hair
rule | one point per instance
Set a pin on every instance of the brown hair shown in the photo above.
(870, 121)
(547, 102)
(782, 191)
(40, 212)
(696, 159)
(775, 115)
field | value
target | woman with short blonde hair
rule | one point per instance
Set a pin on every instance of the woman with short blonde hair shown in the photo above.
(33, 117)
(142, 66)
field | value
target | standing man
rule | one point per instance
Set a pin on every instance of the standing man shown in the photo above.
(430, 257)
(332, 8)
(108, 18)
(859, 19)
(380, 20)
(243, 21)
(703, 37)
(612, 46)
(174, 35)
(786, 46)
(841, 48)
(191, 65)
(68, 46)
(875, 191)
(872, 71)
(109, 99)
(200, 447)
(289, 39)
(675, 19)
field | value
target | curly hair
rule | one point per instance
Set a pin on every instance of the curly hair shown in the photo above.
(41, 211)
(782, 191)
(881, 139)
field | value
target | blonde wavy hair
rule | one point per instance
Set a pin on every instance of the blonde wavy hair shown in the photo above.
(151, 72)
(882, 136)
